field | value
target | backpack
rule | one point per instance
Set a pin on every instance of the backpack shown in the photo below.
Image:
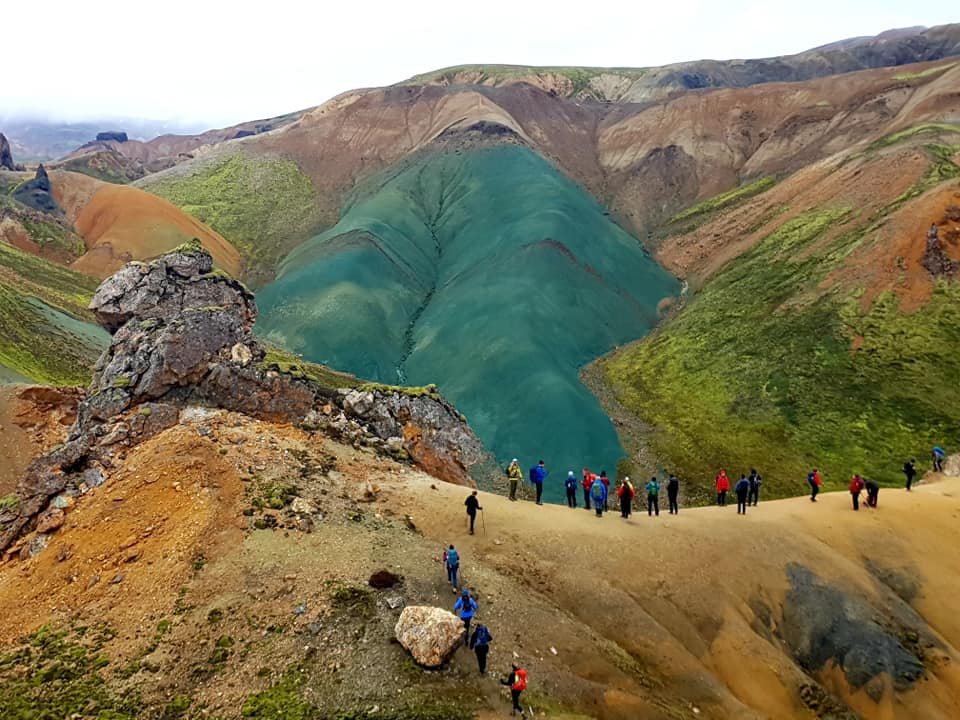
(653, 488)
(452, 558)
(482, 636)
(520, 683)
(570, 483)
(596, 490)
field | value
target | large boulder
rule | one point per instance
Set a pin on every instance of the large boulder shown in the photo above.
(114, 135)
(6, 157)
(38, 194)
(430, 634)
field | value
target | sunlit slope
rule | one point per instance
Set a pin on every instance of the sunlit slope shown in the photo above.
(821, 338)
(485, 271)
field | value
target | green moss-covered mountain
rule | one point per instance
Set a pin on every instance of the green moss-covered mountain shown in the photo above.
(487, 272)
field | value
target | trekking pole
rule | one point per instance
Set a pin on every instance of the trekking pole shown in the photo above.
(483, 523)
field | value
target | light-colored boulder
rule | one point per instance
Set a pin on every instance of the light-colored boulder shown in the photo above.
(430, 634)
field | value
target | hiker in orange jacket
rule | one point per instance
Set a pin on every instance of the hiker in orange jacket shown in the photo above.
(723, 487)
(856, 487)
(586, 484)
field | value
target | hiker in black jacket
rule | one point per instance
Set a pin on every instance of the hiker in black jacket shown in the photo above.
(673, 491)
(753, 496)
(473, 504)
(910, 470)
(480, 644)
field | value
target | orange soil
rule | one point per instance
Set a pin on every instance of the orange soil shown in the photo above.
(122, 223)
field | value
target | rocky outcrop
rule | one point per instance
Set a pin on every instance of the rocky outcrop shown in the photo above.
(431, 635)
(935, 259)
(183, 335)
(37, 193)
(114, 135)
(6, 157)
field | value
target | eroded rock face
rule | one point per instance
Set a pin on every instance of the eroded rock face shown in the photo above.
(6, 157)
(183, 336)
(431, 635)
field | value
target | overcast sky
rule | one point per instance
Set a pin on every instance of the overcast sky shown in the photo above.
(218, 63)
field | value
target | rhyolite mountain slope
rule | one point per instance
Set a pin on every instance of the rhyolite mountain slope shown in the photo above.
(479, 266)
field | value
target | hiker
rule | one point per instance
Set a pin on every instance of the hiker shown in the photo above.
(742, 488)
(537, 475)
(587, 485)
(856, 487)
(571, 485)
(480, 644)
(873, 493)
(606, 487)
(467, 607)
(598, 491)
(473, 504)
(910, 470)
(626, 494)
(938, 457)
(653, 496)
(451, 559)
(753, 496)
(515, 476)
(517, 682)
(813, 477)
(723, 486)
(673, 491)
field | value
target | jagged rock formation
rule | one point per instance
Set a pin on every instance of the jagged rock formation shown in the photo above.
(182, 336)
(37, 193)
(6, 157)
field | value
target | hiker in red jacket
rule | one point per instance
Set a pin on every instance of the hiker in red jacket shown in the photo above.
(813, 477)
(723, 487)
(586, 484)
(856, 487)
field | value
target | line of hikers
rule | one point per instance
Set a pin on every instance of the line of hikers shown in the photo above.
(596, 488)
(466, 608)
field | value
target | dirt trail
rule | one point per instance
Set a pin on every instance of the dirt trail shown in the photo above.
(670, 617)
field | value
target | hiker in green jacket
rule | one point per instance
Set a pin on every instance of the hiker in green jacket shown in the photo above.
(515, 475)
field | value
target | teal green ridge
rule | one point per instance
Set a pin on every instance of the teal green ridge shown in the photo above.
(489, 273)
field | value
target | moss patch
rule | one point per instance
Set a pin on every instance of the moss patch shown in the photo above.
(723, 201)
(57, 674)
(264, 206)
(287, 363)
(912, 132)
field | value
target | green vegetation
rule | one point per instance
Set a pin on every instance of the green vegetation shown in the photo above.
(355, 600)
(761, 369)
(912, 132)
(500, 314)
(429, 391)
(49, 234)
(8, 502)
(47, 334)
(57, 674)
(289, 364)
(923, 73)
(177, 707)
(579, 77)
(264, 206)
(282, 701)
(725, 200)
(108, 166)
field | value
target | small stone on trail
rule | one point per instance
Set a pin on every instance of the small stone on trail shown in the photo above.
(118, 578)
(553, 650)
(300, 609)
(50, 520)
(133, 554)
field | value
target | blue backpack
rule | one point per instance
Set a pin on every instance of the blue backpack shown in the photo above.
(452, 558)
(596, 490)
(482, 636)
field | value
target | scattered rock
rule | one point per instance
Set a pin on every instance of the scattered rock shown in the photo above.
(302, 506)
(118, 578)
(935, 259)
(50, 520)
(394, 602)
(37, 545)
(431, 635)
(133, 554)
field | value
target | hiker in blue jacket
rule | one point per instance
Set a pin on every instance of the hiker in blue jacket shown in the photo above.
(451, 559)
(538, 474)
(742, 488)
(467, 607)
(571, 485)
(598, 491)
(938, 457)
(480, 642)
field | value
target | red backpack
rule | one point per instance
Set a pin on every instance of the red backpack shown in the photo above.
(520, 680)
